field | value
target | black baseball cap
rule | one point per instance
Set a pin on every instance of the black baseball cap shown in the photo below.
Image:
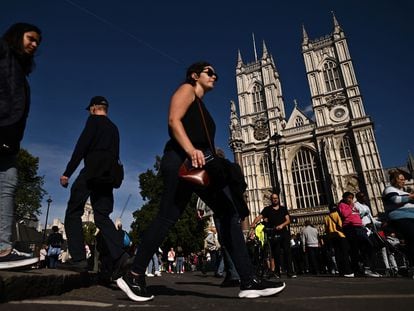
(97, 100)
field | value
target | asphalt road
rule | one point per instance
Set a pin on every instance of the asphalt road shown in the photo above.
(195, 291)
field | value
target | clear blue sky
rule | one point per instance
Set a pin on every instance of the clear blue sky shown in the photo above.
(135, 54)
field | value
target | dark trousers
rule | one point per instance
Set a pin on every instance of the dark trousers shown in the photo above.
(361, 248)
(102, 202)
(313, 255)
(277, 245)
(405, 226)
(341, 249)
(176, 195)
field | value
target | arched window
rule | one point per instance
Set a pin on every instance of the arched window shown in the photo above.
(258, 102)
(346, 155)
(331, 76)
(298, 121)
(264, 170)
(306, 180)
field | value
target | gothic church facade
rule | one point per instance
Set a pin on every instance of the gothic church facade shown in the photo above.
(310, 162)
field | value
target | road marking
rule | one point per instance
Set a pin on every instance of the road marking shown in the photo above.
(83, 303)
(64, 302)
(395, 296)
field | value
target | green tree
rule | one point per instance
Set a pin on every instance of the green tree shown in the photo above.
(89, 230)
(29, 192)
(187, 232)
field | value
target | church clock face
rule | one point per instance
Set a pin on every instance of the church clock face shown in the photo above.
(339, 113)
(260, 130)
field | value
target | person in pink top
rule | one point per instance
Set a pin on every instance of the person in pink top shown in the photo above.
(361, 248)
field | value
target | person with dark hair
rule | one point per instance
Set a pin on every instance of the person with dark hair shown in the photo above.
(336, 237)
(276, 220)
(55, 242)
(98, 146)
(192, 130)
(18, 46)
(361, 248)
(399, 210)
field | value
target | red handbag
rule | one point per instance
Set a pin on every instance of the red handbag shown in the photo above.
(196, 176)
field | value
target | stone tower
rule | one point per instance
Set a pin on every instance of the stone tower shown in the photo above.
(310, 161)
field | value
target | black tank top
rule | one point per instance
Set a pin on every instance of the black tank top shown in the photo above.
(194, 127)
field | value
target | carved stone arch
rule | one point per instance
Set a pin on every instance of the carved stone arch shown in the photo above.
(252, 84)
(294, 150)
(324, 61)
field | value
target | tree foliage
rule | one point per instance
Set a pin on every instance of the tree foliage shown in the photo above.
(89, 230)
(29, 192)
(187, 232)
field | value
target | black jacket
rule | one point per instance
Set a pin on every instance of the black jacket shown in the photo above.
(14, 100)
(98, 146)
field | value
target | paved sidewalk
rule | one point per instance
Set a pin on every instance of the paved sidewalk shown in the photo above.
(23, 284)
(195, 291)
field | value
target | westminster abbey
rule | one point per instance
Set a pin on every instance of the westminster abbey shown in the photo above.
(310, 162)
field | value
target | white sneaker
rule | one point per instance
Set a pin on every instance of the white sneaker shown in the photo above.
(17, 259)
(350, 275)
(157, 273)
(372, 274)
(150, 275)
(260, 288)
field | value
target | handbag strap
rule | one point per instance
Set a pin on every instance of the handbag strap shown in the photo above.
(336, 224)
(205, 126)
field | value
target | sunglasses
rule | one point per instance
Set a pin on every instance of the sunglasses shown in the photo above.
(211, 73)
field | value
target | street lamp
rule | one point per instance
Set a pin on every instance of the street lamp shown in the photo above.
(49, 200)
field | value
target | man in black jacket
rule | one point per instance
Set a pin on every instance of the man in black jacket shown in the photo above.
(17, 49)
(98, 146)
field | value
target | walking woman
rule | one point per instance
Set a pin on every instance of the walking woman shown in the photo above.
(188, 139)
(399, 209)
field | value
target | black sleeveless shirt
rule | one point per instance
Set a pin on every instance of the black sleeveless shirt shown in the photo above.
(194, 127)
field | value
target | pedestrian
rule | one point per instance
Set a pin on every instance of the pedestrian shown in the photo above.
(18, 46)
(171, 260)
(336, 237)
(310, 244)
(361, 248)
(98, 146)
(276, 219)
(42, 257)
(54, 242)
(192, 131)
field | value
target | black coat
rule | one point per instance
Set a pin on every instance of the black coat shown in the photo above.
(14, 100)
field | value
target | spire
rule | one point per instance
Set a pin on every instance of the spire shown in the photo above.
(305, 40)
(254, 47)
(265, 53)
(337, 27)
(239, 59)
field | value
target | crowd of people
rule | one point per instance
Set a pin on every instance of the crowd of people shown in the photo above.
(191, 130)
(352, 242)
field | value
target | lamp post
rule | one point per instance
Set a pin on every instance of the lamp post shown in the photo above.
(49, 200)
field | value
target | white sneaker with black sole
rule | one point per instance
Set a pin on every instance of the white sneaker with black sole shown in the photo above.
(16, 259)
(260, 288)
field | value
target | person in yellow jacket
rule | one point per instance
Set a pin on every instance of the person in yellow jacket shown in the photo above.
(259, 232)
(333, 229)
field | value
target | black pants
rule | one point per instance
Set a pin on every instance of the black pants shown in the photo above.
(361, 248)
(176, 195)
(341, 249)
(278, 244)
(102, 202)
(313, 258)
(405, 226)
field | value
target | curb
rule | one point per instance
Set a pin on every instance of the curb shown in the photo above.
(18, 285)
